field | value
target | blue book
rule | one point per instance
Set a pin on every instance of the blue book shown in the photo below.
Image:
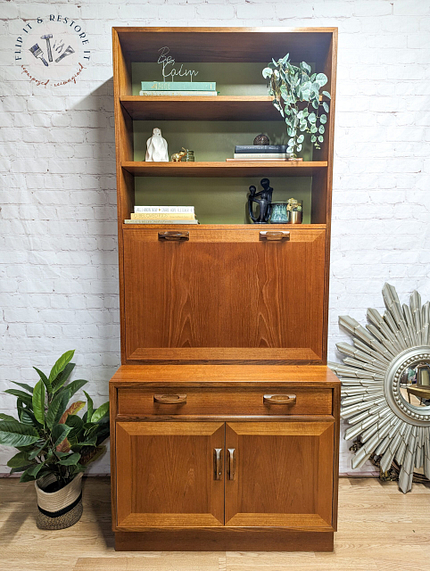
(260, 149)
(178, 85)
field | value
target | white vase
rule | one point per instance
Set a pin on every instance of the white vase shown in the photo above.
(61, 509)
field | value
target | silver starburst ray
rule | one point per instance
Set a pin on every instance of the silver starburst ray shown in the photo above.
(381, 373)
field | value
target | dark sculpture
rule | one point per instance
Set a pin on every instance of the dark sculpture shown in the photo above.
(264, 201)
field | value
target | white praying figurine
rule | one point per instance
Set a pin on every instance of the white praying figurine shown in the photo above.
(156, 148)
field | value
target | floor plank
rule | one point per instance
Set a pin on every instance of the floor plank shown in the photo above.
(380, 529)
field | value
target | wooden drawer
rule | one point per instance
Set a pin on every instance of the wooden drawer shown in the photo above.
(224, 402)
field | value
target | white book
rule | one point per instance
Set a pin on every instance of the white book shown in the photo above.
(168, 222)
(165, 209)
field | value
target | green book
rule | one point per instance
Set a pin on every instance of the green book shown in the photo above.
(179, 85)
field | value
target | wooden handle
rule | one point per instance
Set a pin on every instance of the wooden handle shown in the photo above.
(279, 399)
(170, 399)
(277, 236)
(172, 236)
(231, 463)
(217, 463)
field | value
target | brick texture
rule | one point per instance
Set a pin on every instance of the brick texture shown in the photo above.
(58, 262)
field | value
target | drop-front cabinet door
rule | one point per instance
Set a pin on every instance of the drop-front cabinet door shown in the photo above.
(279, 474)
(169, 474)
(224, 294)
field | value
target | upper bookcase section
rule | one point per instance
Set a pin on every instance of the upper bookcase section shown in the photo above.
(220, 46)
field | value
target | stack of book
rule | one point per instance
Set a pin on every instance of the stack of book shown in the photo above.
(162, 215)
(178, 88)
(261, 153)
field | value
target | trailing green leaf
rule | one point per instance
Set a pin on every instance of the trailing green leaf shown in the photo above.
(56, 409)
(25, 397)
(19, 460)
(70, 459)
(4, 416)
(34, 453)
(59, 367)
(25, 414)
(39, 402)
(59, 433)
(90, 407)
(31, 473)
(24, 386)
(74, 387)
(44, 379)
(13, 433)
(101, 412)
(63, 377)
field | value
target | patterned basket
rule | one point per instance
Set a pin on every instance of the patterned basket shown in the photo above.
(61, 509)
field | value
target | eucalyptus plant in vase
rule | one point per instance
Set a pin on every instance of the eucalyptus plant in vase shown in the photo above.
(54, 444)
(298, 94)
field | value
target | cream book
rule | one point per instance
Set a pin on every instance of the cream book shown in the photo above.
(162, 216)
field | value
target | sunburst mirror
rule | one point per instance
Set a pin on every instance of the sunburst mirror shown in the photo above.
(386, 385)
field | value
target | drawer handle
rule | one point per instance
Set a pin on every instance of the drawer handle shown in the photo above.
(217, 463)
(174, 236)
(231, 463)
(279, 399)
(170, 399)
(274, 236)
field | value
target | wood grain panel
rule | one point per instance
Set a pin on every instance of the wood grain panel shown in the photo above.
(226, 44)
(165, 474)
(235, 539)
(219, 293)
(135, 402)
(230, 376)
(284, 474)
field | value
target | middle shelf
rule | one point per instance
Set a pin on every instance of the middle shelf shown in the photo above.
(225, 169)
(194, 108)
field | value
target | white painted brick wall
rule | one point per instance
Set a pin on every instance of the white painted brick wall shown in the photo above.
(58, 264)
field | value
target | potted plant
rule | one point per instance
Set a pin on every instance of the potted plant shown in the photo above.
(297, 96)
(54, 444)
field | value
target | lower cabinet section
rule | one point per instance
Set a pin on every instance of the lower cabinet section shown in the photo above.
(176, 474)
(224, 457)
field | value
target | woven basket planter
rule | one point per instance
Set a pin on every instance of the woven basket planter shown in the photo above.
(61, 509)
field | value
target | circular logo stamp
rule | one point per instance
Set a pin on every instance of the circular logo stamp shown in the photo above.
(52, 50)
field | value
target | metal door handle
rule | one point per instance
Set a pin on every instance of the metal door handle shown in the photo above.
(170, 399)
(217, 463)
(279, 399)
(274, 236)
(171, 236)
(231, 463)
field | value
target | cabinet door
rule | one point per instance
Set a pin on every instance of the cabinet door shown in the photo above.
(279, 474)
(224, 295)
(166, 474)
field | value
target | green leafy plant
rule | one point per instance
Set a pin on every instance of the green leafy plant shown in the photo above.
(296, 91)
(50, 436)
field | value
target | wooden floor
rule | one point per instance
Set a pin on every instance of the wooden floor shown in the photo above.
(379, 529)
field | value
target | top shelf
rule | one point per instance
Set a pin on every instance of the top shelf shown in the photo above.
(226, 44)
(195, 108)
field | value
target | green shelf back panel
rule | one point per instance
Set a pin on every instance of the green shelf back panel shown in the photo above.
(218, 200)
(231, 78)
(210, 140)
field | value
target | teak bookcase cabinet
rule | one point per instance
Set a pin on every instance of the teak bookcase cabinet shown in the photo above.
(225, 417)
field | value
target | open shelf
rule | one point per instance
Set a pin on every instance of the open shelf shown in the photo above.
(225, 169)
(195, 108)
